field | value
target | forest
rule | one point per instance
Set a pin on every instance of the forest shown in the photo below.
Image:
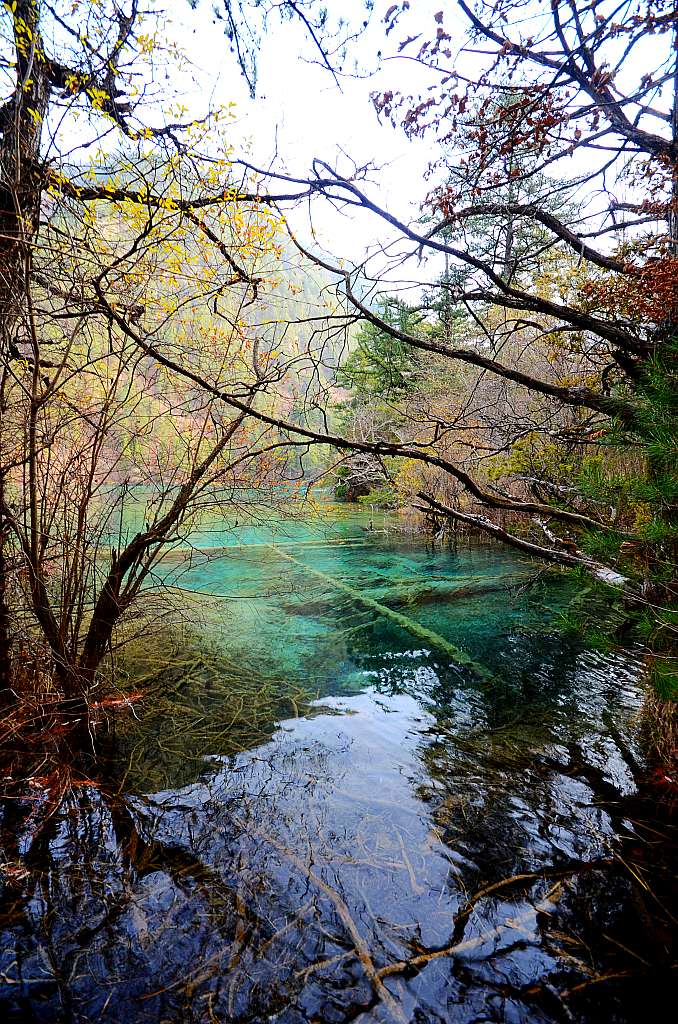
(338, 510)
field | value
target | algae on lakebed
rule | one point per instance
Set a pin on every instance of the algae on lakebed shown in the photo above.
(193, 702)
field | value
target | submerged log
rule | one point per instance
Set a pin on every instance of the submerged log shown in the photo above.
(427, 636)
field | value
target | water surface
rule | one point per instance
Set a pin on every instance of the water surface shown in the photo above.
(445, 826)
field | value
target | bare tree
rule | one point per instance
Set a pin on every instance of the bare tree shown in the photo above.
(111, 225)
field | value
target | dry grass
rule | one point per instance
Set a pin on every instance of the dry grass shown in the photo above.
(660, 729)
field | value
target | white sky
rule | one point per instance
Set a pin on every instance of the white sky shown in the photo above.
(301, 113)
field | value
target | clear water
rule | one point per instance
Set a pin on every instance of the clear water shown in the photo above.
(437, 838)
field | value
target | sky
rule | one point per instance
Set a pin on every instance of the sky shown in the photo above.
(301, 113)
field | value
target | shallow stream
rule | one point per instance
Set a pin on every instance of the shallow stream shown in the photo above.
(436, 818)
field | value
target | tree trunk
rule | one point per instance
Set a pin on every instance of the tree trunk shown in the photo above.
(21, 178)
(21, 181)
(6, 693)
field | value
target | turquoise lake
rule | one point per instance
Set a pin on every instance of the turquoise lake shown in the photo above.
(438, 815)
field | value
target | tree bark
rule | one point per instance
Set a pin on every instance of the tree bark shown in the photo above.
(6, 693)
(21, 183)
(21, 178)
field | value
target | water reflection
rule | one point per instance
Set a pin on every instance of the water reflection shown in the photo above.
(440, 848)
